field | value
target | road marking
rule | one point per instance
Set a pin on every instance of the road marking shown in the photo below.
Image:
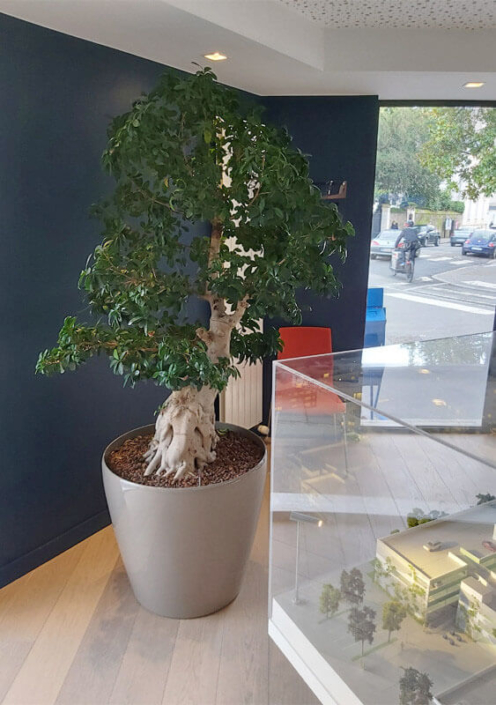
(455, 293)
(424, 279)
(487, 285)
(461, 261)
(440, 259)
(442, 304)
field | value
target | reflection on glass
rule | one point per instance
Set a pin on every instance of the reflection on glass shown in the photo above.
(396, 591)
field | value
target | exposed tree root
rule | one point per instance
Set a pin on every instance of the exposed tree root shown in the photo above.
(185, 436)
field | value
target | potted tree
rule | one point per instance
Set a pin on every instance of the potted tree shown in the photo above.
(213, 204)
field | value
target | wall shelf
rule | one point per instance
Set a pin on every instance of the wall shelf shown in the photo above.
(343, 188)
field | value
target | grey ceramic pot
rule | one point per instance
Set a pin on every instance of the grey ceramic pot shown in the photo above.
(185, 550)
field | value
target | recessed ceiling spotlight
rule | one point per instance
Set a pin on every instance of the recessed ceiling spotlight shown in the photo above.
(473, 84)
(216, 56)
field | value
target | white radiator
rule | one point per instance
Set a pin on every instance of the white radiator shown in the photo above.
(241, 401)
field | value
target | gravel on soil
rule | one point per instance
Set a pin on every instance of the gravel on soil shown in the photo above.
(235, 455)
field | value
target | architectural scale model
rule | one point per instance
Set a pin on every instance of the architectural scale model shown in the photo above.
(424, 615)
(446, 564)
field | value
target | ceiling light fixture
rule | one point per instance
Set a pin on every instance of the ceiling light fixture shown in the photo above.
(473, 84)
(216, 56)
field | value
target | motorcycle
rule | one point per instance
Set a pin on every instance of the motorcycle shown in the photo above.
(402, 261)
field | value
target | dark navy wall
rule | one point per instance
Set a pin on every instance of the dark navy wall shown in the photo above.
(340, 136)
(58, 94)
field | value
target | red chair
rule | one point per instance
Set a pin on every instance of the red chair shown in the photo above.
(302, 341)
(305, 341)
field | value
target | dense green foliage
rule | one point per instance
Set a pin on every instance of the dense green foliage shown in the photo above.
(190, 152)
(461, 149)
(404, 135)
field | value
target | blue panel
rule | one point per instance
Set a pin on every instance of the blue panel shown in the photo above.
(375, 297)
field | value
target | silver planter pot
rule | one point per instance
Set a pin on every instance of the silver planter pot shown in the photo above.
(185, 550)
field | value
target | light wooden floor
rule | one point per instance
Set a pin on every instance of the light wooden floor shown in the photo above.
(72, 633)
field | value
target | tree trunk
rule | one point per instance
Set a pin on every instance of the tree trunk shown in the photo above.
(185, 436)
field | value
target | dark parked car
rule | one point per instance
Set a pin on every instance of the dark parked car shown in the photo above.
(383, 244)
(458, 237)
(480, 242)
(428, 235)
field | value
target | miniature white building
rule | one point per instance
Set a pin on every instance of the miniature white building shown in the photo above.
(449, 561)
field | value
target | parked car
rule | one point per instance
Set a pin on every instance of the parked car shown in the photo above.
(383, 244)
(490, 545)
(459, 236)
(428, 235)
(480, 242)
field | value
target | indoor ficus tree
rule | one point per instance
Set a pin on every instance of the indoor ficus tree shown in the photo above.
(190, 152)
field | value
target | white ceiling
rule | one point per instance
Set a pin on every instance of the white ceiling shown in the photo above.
(405, 14)
(286, 47)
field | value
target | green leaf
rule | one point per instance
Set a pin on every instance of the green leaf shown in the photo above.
(141, 280)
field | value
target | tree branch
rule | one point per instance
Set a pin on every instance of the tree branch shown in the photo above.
(148, 196)
(237, 315)
(257, 190)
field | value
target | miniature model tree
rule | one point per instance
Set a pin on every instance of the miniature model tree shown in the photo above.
(417, 517)
(190, 153)
(329, 600)
(415, 688)
(393, 614)
(483, 498)
(361, 624)
(383, 570)
(352, 586)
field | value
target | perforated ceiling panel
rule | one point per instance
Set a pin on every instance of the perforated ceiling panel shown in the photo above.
(414, 14)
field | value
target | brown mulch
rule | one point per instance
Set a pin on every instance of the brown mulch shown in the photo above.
(235, 455)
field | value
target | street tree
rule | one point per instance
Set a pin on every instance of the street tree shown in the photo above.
(329, 600)
(361, 624)
(461, 148)
(402, 134)
(393, 614)
(214, 205)
(415, 688)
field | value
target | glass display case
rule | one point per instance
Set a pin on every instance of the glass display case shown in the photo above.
(383, 522)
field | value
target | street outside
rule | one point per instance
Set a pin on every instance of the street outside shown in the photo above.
(450, 295)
